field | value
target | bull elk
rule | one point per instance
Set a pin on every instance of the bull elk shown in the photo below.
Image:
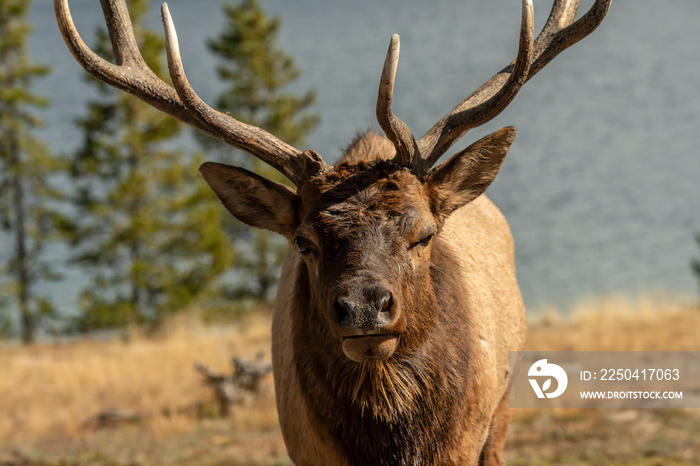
(398, 301)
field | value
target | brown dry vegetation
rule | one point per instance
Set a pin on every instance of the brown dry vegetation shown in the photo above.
(50, 392)
(610, 436)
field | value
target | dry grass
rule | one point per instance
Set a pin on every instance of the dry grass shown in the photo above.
(617, 323)
(48, 392)
(610, 436)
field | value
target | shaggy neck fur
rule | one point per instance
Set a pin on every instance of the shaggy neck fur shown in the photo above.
(402, 411)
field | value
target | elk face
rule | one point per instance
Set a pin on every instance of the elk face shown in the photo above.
(366, 243)
(366, 231)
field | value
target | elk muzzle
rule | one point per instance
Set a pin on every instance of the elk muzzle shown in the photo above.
(368, 320)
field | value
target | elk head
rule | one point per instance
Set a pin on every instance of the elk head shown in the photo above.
(365, 229)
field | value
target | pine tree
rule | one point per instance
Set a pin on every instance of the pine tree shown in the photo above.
(25, 168)
(257, 72)
(145, 226)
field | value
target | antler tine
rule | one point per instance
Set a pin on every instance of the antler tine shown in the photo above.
(121, 35)
(396, 130)
(563, 14)
(132, 74)
(559, 33)
(289, 161)
(130, 78)
(567, 32)
(484, 104)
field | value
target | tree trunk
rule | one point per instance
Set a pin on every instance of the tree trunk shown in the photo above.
(21, 258)
(135, 250)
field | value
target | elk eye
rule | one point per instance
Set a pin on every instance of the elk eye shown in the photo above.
(302, 244)
(424, 241)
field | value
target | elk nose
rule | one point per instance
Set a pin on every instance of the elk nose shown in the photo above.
(364, 311)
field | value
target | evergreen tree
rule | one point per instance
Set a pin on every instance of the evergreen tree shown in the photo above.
(145, 227)
(257, 71)
(25, 166)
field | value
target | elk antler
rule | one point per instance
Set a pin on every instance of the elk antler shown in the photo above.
(395, 130)
(130, 73)
(559, 33)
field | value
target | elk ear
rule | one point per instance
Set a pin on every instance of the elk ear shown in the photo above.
(467, 174)
(252, 199)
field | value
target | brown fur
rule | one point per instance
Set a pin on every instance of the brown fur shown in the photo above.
(373, 410)
(368, 147)
(456, 308)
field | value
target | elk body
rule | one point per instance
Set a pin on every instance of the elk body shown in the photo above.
(398, 301)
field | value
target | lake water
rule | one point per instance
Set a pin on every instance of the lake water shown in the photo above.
(602, 186)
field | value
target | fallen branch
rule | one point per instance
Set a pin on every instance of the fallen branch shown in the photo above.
(241, 386)
(111, 418)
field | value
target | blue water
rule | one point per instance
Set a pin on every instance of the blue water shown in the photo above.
(602, 186)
